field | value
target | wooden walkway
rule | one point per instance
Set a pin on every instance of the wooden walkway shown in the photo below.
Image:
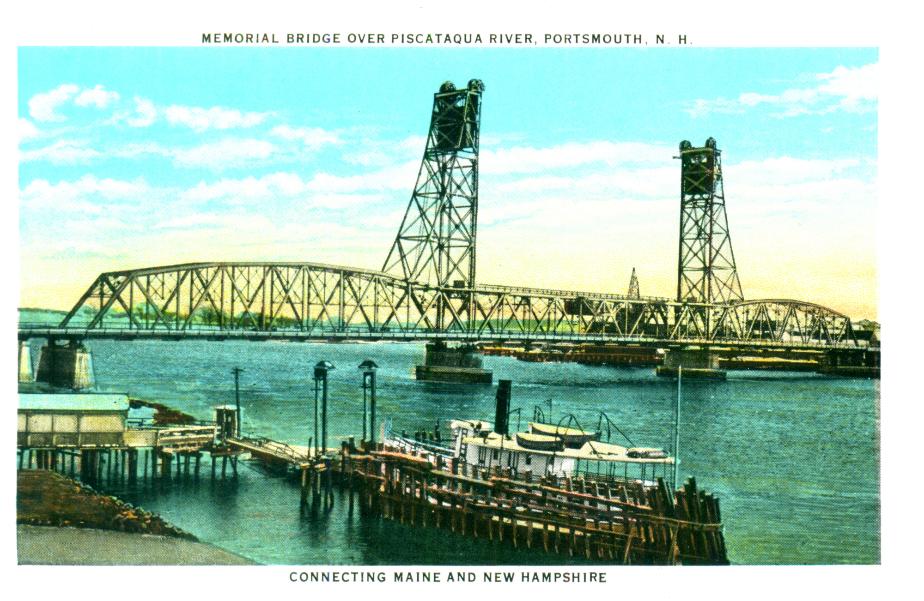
(272, 451)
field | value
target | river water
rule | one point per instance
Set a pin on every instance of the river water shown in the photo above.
(793, 458)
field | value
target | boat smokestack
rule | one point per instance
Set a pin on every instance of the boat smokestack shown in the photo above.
(502, 408)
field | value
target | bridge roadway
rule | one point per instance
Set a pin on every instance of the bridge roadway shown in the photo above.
(28, 331)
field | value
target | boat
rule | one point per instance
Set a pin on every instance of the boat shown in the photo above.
(572, 437)
(543, 450)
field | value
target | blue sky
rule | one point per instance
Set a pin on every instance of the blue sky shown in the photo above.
(142, 156)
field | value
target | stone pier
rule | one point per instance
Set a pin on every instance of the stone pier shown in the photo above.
(65, 364)
(697, 363)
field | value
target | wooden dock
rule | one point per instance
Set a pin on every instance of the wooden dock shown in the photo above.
(606, 521)
(603, 520)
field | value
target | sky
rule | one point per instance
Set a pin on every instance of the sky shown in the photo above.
(134, 157)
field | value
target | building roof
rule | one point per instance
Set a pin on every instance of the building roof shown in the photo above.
(74, 402)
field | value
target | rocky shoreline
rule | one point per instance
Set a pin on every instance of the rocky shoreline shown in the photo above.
(45, 498)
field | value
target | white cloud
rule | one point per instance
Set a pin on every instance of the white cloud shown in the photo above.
(88, 194)
(378, 153)
(787, 170)
(61, 152)
(852, 89)
(27, 130)
(237, 222)
(397, 177)
(137, 149)
(312, 137)
(634, 183)
(97, 96)
(145, 113)
(223, 154)
(855, 87)
(279, 186)
(524, 159)
(201, 119)
(42, 106)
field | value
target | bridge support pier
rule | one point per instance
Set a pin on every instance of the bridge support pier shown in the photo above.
(697, 363)
(25, 362)
(856, 363)
(453, 364)
(67, 365)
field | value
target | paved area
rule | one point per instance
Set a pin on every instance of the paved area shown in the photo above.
(43, 545)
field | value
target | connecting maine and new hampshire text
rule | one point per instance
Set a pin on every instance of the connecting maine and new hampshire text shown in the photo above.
(357, 576)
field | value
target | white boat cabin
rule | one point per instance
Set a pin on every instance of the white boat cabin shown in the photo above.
(547, 450)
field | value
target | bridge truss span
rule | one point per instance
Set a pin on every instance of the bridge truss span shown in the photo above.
(314, 300)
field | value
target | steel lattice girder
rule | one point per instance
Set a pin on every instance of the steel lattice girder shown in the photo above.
(314, 298)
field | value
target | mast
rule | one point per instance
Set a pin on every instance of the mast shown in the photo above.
(677, 425)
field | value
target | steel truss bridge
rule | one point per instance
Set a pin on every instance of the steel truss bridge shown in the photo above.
(427, 289)
(315, 301)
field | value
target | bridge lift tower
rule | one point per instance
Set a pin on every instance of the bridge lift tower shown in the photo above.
(435, 244)
(706, 271)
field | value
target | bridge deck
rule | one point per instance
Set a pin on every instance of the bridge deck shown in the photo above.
(27, 331)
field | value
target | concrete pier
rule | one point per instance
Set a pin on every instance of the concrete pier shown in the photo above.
(856, 363)
(25, 362)
(67, 365)
(453, 364)
(697, 363)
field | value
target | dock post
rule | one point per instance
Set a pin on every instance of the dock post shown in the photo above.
(343, 455)
(349, 494)
(315, 490)
(166, 460)
(212, 461)
(198, 459)
(304, 488)
(224, 466)
(329, 471)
